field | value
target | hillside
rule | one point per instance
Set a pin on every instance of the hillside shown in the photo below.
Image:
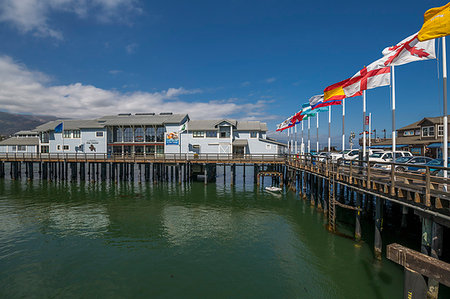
(12, 123)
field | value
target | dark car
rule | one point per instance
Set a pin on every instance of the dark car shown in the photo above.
(421, 160)
(435, 162)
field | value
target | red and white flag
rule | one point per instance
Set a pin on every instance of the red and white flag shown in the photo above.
(409, 50)
(372, 76)
(285, 125)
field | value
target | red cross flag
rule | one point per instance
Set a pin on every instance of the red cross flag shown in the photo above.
(409, 50)
(372, 76)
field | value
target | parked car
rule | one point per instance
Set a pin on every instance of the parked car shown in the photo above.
(336, 156)
(387, 156)
(413, 160)
(323, 156)
(354, 154)
(435, 162)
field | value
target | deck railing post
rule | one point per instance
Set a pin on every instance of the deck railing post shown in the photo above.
(392, 179)
(427, 186)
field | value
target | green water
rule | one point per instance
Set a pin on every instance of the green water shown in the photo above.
(60, 239)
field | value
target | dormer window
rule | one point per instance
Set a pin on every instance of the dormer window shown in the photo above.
(253, 134)
(428, 131)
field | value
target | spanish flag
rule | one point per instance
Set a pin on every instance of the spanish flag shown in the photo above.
(334, 94)
(436, 23)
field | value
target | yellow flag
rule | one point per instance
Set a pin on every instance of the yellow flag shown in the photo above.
(436, 23)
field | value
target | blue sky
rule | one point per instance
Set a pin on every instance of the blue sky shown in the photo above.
(237, 59)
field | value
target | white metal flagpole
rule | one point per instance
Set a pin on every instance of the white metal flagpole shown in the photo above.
(364, 124)
(370, 129)
(295, 128)
(309, 140)
(289, 141)
(302, 149)
(317, 141)
(343, 126)
(329, 128)
(444, 76)
(393, 112)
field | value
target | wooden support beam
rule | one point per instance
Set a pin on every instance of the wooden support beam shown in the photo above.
(419, 262)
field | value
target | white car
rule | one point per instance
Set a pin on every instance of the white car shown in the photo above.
(354, 154)
(387, 156)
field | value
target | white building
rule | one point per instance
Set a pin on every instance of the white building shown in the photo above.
(146, 133)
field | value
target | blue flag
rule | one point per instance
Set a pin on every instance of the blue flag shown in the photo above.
(59, 128)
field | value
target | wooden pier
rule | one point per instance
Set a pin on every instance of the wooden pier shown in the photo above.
(326, 184)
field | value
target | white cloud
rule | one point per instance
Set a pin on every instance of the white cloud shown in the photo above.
(131, 48)
(26, 91)
(34, 15)
(271, 80)
(115, 72)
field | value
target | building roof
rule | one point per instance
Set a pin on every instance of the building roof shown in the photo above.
(415, 140)
(273, 141)
(20, 141)
(71, 124)
(142, 120)
(197, 125)
(411, 126)
(240, 142)
(26, 133)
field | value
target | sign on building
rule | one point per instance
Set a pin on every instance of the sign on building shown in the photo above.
(172, 138)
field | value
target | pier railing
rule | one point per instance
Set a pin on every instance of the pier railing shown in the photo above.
(425, 186)
(145, 158)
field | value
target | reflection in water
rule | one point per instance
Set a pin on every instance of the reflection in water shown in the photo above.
(168, 240)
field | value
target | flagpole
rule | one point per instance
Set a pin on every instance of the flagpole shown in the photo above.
(393, 112)
(444, 76)
(343, 126)
(370, 128)
(289, 142)
(317, 126)
(296, 143)
(329, 129)
(309, 141)
(364, 125)
(302, 150)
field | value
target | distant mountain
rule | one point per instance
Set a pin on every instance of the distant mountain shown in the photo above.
(12, 123)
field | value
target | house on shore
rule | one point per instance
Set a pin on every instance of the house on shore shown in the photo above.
(145, 134)
(423, 137)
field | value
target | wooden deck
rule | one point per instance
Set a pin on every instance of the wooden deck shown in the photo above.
(147, 158)
(422, 191)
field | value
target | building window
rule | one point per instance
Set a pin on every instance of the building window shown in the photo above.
(117, 134)
(150, 149)
(21, 148)
(44, 137)
(58, 147)
(211, 134)
(198, 134)
(65, 147)
(224, 132)
(97, 134)
(160, 134)
(44, 149)
(441, 130)
(67, 134)
(428, 131)
(76, 134)
(13, 148)
(150, 134)
(253, 134)
(417, 132)
(160, 149)
(408, 133)
(128, 135)
(139, 134)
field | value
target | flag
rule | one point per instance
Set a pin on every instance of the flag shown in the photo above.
(436, 23)
(374, 75)
(59, 128)
(182, 128)
(334, 94)
(408, 50)
(285, 125)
